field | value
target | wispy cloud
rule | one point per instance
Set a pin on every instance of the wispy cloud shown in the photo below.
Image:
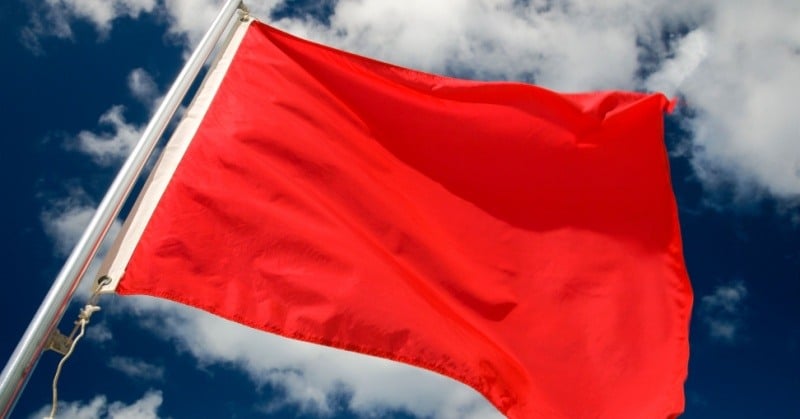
(722, 311)
(143, 87)
(136, 368)
(66, 218)
(100, 408)
(54, 18)
(99, 332)
(115, 136)
(110, 147)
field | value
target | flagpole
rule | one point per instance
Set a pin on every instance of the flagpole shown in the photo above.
(22, 362)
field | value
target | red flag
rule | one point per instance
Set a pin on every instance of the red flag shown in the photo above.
(522, 241)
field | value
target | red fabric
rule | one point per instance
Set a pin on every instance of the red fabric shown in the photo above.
(521, 241)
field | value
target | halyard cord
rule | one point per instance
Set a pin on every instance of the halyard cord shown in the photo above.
(80, 328)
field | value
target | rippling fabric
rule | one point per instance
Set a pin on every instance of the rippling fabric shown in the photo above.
(522, 241)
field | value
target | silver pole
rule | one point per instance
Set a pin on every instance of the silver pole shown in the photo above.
(22, 362)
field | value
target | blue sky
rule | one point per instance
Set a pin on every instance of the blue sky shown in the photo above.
(79, 81)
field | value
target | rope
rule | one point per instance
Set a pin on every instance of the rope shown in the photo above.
(80, 325)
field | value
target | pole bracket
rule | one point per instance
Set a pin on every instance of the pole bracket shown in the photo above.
(58, 342)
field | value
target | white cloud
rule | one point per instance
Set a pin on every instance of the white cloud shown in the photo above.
(746, 131)
(144, 408)
(690, 51)
(136, 368)
(108, 148)
(113, 144)
(65, 219)
(74, 410)
(142, 86)
(55, 17)
(722, 311)
(99, 408)
(102, 12)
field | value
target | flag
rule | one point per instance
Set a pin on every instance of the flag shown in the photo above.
(521, 241)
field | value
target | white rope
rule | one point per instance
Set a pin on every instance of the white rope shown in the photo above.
(83, 320)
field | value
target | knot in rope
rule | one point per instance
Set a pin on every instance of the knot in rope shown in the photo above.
(87, 311)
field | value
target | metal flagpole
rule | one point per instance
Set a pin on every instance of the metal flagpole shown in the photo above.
(19, 367)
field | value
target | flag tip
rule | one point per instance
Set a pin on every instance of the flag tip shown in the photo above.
(671, 104)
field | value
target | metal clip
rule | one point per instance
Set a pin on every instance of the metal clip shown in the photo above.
(244, 12)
